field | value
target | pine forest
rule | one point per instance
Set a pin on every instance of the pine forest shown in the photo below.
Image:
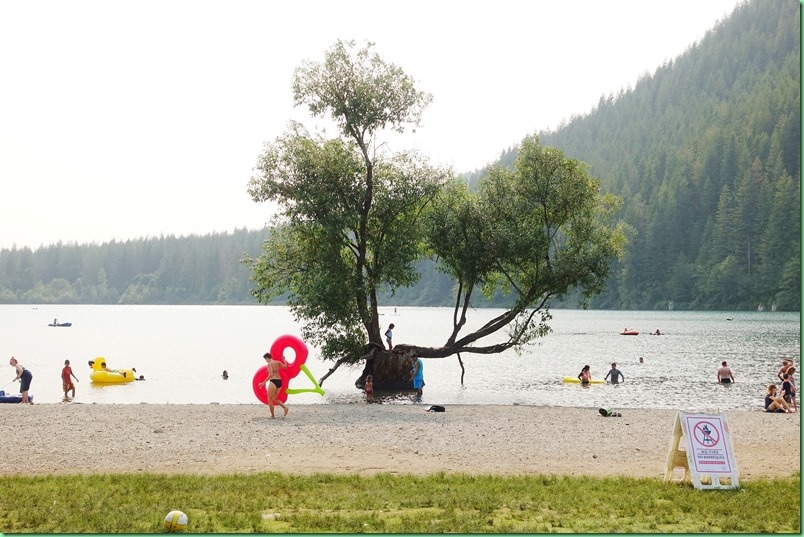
(705, 154)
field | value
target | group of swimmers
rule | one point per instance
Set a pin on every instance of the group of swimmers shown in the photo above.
(786, 400)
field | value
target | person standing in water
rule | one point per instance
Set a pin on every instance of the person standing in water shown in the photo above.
(24, 376)
(417, 375)
(615, 373)
(724, 374)
(274, 382)
(67, 377)
(585, 376)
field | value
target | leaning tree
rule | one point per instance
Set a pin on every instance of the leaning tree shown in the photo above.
(354, 218)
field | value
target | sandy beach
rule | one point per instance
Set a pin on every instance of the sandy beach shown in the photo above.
(77, 438)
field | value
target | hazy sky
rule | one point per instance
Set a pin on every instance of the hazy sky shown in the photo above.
(128, 119)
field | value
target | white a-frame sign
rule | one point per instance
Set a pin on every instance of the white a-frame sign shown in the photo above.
(706, 455)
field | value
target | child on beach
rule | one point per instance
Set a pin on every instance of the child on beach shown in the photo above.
(368, 387)
(789, 390)
(67, 377)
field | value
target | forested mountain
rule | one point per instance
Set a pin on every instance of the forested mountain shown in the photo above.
(705, 153)
(166, 270)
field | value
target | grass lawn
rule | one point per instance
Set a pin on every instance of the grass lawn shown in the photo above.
(385, 503)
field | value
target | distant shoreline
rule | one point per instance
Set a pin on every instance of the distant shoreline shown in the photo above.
(365, 439)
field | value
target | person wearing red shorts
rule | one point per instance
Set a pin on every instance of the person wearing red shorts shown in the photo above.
(67, 377)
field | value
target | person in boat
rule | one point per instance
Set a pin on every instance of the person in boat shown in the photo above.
(724, 374)
(773, 402)
(615, 373)
(225, 375)
(24, 376)
(656, 333)
(585, 376)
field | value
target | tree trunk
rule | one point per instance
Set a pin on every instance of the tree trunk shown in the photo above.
(390, 370)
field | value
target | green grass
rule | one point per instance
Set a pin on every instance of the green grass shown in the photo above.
(273, 503)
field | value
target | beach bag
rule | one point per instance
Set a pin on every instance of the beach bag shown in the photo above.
(436, 408)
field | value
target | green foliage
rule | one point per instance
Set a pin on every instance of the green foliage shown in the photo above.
(706, 154)
(385, 503)
(532, 232)
(166, 270)
(355, 221)
(361, 92)
(349, 213)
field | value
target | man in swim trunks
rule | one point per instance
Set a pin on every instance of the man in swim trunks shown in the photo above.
(724, 375)
(274, 382)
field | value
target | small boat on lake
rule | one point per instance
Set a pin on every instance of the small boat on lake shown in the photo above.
(629, 332)
(60, 324)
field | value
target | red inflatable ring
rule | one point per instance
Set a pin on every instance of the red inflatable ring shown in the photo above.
(278, 349)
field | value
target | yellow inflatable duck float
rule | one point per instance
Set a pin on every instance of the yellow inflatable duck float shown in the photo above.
(103, 375)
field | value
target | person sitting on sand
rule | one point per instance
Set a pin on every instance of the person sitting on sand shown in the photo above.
(773, 402)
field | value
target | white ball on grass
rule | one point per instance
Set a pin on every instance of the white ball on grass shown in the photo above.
(175, 521)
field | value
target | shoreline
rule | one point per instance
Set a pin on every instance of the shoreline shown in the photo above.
(213, 439)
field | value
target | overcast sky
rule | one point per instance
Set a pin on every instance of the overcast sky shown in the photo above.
(129, 119)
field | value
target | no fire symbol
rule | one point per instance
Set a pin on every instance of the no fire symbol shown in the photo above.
(706, 434)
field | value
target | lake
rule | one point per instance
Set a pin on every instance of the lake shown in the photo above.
(182, 350)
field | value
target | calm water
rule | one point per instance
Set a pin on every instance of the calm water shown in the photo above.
(182, 351)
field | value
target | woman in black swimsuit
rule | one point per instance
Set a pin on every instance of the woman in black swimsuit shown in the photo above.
(274, 382)
(24, 376)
